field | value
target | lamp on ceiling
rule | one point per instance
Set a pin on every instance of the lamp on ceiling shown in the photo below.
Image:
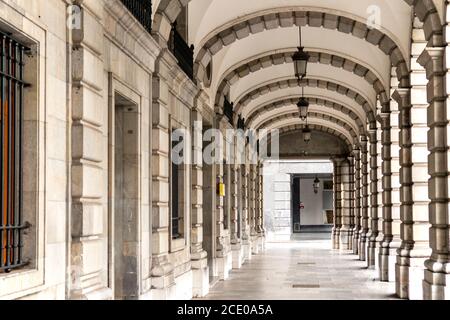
(300, 59)
(307, 134)
(303, 106)
(316, 185)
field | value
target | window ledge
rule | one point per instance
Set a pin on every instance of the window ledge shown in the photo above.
(178, 244)
(19, 281)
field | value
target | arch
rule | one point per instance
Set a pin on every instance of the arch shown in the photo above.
(294, 16)
(316, 112)
(285, 122)
(314, 100)
(314, 127)
(333, 87)
(269, 59)
(424, 9)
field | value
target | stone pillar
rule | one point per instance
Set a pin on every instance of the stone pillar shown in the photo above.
(384, 250)
(236, 244)
(373, 232)
(346, 225)
(89, 242)
(163, 281)
(392, 241)
(436, 284)
(245, 227)
(414, 157)
(224, 261)
(380, 200)
(260, 213)
(364, 200)
(352, 195)
(357, 197)
(414, 249)
(253, 208)
(200, 270)
(337, 204)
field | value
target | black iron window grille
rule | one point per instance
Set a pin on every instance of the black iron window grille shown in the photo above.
(182, 51)
(241, 123)
(142, 11)
(228, 110)
(11, 114)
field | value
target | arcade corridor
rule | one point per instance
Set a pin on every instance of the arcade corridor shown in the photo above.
(141, 142)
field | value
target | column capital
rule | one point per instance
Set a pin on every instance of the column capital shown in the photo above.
(435, 56)
(402, 96)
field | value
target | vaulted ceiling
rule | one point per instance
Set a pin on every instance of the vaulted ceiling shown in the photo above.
(249, 46)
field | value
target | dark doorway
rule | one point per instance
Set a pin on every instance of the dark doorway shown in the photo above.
(295, 196)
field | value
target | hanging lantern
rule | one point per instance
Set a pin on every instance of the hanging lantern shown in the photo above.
(300, 59)
(316, 185)
(303, 106)
(307, 134)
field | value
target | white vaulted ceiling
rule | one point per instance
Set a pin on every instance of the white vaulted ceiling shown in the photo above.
(250, 44)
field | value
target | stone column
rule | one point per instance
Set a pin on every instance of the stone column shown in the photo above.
(346, 224)
(364, 200)
(414, 159)
(89, 242)
(392, 241)
(245, 227)
(200, 270)
(260, 213)
(373, 232)
(163, 281)
(357, 197)
(337, 203)
(414, 249)
(387, 198)
(253, 208)
(436, 284)
(224, 261)
(236, 189)
(380, 200)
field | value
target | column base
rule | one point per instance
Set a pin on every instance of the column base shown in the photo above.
(409, 276)
(255, 247)
(247, 250)
(163, 282)
(200, 277)
(378, 243)
(436, 285)
(355, 241)
(184, 286)
(387, 259)
(371, 252)
(260, 243)
(167, 293)
(335, 238)
(224, 265)
(363, 247)
(237, 255)
(345, 239)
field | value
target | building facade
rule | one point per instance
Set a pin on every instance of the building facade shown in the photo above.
(97, 94)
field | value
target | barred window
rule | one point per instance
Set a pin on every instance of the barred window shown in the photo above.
(11, 114)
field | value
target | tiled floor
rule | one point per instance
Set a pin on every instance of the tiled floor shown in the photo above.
(308, 264)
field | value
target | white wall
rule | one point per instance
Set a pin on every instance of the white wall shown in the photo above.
(277, 195)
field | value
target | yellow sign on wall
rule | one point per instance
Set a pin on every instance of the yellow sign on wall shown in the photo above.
(221, 189)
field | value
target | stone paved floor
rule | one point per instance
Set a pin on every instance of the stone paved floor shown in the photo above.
(305, 261)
